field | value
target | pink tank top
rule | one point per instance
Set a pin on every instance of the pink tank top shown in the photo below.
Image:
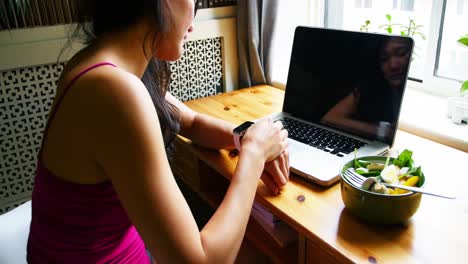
(79, 223)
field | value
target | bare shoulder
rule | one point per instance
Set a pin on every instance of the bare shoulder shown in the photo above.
(120, 109)
(113, 92)
(115, 83)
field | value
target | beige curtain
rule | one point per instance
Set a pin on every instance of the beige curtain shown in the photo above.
(255, 26)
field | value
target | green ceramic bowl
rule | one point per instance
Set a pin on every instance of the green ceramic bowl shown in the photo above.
(374, 207)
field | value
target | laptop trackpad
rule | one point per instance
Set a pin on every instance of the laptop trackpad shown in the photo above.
(313, 162)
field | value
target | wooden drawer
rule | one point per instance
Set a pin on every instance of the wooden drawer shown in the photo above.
(316, 255)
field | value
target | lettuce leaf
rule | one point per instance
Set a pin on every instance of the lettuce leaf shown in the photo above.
(404, 159)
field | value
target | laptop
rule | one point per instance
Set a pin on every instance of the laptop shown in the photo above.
(343, 94)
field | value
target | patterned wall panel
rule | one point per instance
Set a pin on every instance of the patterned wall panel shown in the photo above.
(199, 72)
(26, 95)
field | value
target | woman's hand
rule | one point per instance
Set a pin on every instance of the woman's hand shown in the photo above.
(269, 141)
(276, 173)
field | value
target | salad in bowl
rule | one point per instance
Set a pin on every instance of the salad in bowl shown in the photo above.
(377, 203)
(399, 171)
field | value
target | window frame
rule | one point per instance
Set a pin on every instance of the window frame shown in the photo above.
(431, 83)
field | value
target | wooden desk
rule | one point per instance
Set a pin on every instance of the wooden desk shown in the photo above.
(328, 233)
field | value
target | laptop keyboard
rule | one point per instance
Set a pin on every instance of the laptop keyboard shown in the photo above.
(320, 138)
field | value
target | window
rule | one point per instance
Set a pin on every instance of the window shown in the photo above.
(452, 62)
(289, 16)
(439, 63)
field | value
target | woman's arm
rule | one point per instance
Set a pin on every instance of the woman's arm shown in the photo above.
(202, 129)
(216, 133)
(130, 149)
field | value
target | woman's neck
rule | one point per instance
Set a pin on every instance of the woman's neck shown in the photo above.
(127, 48)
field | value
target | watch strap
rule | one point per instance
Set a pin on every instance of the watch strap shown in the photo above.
(237, 141)
(239, 131)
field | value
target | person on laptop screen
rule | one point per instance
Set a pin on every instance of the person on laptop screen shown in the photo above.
(374, 102)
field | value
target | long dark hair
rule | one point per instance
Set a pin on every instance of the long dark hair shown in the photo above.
(106, 16)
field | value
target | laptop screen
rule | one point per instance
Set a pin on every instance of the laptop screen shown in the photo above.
(350, 81)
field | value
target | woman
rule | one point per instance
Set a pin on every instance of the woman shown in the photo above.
(103, 188)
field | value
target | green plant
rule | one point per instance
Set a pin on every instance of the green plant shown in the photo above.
(464, 87)
(365, 27)
(411, 30)
(464, 41)
(389, 26)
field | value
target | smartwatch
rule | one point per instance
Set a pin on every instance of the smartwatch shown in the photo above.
(239, 131)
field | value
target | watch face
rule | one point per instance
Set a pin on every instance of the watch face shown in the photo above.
(240, 129)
